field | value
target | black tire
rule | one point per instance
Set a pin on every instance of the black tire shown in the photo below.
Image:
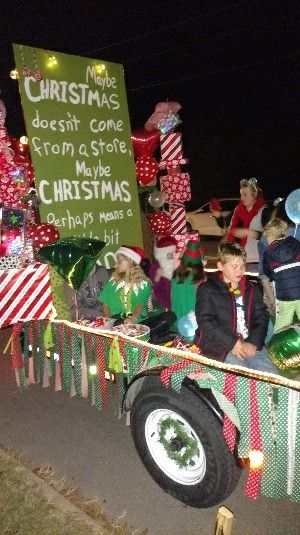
(220, 470)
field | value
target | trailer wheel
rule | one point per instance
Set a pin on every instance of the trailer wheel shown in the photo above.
(181, 444)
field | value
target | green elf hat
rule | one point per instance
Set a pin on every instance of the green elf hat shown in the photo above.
(193, 254)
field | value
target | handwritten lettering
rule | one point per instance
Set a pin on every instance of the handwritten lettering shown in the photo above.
(94, 171)
(97, 126)
(71, 221)
(103, 81)
(62, 91)
(68, 190)
(105, 217)
(70, 124)
(98, 147)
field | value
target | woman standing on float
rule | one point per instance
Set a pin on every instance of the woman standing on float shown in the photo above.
(248, 218)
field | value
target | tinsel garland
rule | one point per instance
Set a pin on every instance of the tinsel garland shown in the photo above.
(26, 326)
(229, 428)
(96, 392)
(76, 354)
(102, 351)
(17, 357)
(243, 407)
(265, 403)
(251, 409)
(296, 483)
(29, 343)
(282, 426)
(253, 482)
(167, 373)
(171, 430)
(35, 352)
(84, 371)
(293, 405)
(56, 361)
(115, 363)
(131, 354)
(39, 339)
(66, 359)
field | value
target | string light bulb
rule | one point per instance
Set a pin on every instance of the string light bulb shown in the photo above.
(14, 74)
(52, 62)
(256, 459)
(93, 369)
(100, 68)
(24, 140)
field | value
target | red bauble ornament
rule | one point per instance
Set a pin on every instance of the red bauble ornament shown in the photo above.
(160, 223)
(144, 143)
(42, 234)
(146, 170)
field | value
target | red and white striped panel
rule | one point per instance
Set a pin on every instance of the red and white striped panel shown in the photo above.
(177, 219)
(25, 294)
(170, 146)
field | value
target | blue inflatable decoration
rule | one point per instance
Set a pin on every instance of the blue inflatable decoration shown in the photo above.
(292, 206)
(186, 327)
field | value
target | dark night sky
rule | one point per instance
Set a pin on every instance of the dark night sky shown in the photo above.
(233, 66)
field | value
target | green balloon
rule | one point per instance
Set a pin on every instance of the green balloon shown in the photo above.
(73, 258)
(284, 350)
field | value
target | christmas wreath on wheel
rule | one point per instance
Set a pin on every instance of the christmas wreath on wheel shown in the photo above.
(179, 444)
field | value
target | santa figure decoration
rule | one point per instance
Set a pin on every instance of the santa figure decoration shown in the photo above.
(162, 269)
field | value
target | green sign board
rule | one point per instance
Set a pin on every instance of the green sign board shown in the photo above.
(77, 122)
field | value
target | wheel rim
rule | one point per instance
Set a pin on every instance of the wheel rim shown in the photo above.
(194, 471)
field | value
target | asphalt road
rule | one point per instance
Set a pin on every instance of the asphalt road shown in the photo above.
(94, 451)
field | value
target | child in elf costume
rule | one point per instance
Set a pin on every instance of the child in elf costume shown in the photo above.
(126, 294)
(232, 318)
(186, 280)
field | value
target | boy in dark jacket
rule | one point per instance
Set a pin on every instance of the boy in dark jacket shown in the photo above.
(232, 318)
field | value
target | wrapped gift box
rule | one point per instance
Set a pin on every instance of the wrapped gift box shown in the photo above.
(177, 219)
(25, 294)
(183, 239)
(11, 262)
(170, 146)
(167, 164)
(177, 189)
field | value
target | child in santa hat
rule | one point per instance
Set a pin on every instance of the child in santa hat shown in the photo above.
(126, 294)
(162, 269)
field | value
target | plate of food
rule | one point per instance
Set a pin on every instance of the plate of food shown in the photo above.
(98, 323)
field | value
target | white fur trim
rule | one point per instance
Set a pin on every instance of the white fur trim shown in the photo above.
(130, 254)
(164, 250)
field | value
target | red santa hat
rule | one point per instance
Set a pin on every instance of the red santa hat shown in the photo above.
(165, 244)
(134, 253)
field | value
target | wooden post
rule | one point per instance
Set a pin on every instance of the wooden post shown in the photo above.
(224, 521)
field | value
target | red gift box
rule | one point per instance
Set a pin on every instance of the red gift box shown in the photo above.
(177, 219)
(183, 239)
(25, 294)
(177, 189)
(170, 146)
